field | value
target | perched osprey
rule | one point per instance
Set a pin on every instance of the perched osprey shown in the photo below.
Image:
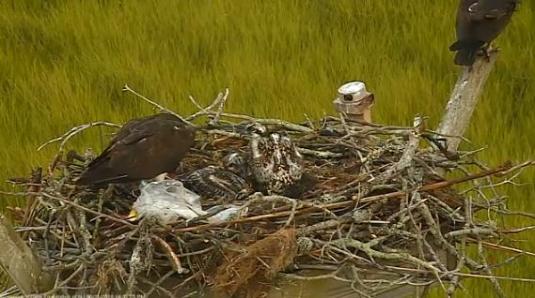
(478, 23)
(276, 164)
(215, 182)
(142, 149)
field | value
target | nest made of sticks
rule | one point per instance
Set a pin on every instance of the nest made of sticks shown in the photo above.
(380, 202)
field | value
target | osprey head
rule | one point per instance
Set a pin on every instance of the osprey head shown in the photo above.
(276, 162)
(236, 163)
(491, 9)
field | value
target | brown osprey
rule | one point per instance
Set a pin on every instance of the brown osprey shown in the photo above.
(142, 149)
(478, 23)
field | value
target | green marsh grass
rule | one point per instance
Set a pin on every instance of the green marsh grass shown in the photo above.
(63, 63)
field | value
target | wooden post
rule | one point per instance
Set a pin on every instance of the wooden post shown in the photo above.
(355, 102)
(19, 262)
(463, 99)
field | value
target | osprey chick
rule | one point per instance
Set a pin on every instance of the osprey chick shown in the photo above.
(276, 163)
(216, 182)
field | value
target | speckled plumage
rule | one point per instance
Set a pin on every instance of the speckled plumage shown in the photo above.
(215, 182)
(237, 163)
(276, 164)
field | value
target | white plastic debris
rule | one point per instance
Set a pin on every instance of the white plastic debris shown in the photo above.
(166, 201)
(231, 213)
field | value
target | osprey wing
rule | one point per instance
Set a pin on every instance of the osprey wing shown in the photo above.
(104, 168)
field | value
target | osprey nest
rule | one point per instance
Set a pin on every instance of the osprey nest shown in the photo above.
(375, 207)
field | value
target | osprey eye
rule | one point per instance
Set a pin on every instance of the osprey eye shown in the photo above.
(473, 8)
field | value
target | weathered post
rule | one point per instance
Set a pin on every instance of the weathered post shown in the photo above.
(19, 262)
(355, 102)
(463, 99)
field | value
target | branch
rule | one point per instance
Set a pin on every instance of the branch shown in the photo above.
(74, 131)
(127, 88)
(464, 98)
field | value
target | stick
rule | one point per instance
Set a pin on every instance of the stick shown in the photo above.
(519, 279)
(74, 131)
(127, 88)
(70, 203)
(173, 259)
(503, 248)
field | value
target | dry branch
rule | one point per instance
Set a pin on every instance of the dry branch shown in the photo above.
(464, 98)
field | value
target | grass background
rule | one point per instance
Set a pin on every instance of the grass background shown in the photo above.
(63, 63)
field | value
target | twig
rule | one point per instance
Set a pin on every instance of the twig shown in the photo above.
(126, 88)
(70, 203)
(220, 108)
(471, 231)
(366, 248)
(157, 284)
(173, 259)
(204, 111)
(65, 281)
(520, 279)
(74, 131)
(503, 247)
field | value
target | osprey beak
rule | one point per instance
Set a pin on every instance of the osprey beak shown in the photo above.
(133, 215)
